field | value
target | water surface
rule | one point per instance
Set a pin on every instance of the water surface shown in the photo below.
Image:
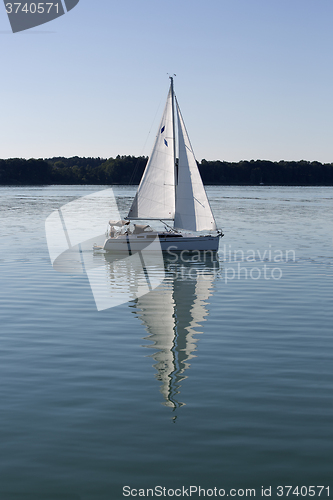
(221, 377)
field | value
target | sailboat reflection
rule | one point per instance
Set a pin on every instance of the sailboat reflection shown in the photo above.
(172, 315)
(169, 296)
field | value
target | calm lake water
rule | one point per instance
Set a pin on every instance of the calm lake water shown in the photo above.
(222, 377)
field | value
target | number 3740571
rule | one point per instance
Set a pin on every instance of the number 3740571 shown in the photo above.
(303, 491)
(31, 8)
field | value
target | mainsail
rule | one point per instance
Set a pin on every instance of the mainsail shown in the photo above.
(155, 198)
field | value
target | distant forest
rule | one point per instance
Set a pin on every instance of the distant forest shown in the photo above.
(128, 170)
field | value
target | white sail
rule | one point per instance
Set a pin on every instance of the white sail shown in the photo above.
(193, 211)
(155, 198)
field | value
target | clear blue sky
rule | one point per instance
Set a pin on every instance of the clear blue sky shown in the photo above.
(254, 79)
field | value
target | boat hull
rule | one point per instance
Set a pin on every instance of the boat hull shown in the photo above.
(168, 244)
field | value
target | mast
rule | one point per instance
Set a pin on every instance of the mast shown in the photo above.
(174, 134)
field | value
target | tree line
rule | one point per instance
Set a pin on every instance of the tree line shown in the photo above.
(129, 169)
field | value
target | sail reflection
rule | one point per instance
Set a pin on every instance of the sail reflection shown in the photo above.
(173, 314)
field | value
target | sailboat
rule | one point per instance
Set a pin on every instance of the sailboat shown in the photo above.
(171, 189)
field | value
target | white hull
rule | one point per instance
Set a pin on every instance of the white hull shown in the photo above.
(169, 243)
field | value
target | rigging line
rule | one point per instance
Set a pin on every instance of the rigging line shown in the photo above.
(135, 170)
(170, 227)
(151, 126)
(143, 148)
